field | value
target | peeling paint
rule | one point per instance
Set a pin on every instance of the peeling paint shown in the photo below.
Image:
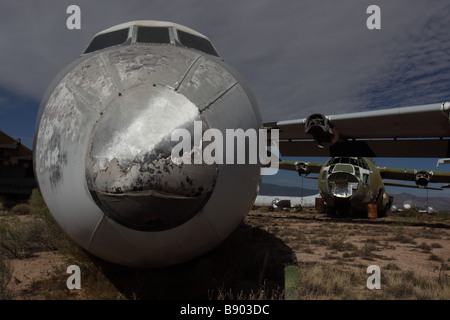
(137, 65)
(205, 82)
(185, 180)
(137, 126)
(59, 125)
(130, 159)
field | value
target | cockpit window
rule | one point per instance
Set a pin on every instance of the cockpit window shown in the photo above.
(135, 33)
(195, 42)
(353, 161)
(153, 35)
(106, 40)
(363, 164)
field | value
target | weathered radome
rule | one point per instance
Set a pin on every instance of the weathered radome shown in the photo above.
(102, 150)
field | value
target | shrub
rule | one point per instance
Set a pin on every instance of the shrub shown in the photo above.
(5, 278)
(22, 239)
(425, 247)
(21, 209)
(434, 257)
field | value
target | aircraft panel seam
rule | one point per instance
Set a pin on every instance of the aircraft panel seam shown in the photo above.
(224, 93)
(113, 76)
(187, 72)
(78, 96)
(95, 231)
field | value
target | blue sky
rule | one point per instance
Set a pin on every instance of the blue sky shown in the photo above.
(299, 57)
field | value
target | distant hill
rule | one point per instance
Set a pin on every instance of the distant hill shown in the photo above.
(438, 203)
(269, 189)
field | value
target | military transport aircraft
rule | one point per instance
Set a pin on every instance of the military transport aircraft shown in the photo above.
(102, 148)
(349, 181)
(349, 184)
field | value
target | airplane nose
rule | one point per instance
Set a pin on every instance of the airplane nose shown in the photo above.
(343, 185)
(130, 172)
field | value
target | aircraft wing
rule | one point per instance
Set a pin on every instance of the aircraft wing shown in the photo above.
(302, 167)
(418, 131)
(421, 177)
(404, 185)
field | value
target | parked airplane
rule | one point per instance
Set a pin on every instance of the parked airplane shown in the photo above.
(285, 201)
(442, 161)
(103, 139)
(349, 184)
(409, 205)
(103, 144)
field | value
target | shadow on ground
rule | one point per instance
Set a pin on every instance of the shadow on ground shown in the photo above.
(248, 261)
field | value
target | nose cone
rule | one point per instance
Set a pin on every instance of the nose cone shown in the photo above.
(130, 172)
(343, 185)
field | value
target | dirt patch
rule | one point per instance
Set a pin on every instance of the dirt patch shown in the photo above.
(26, 273)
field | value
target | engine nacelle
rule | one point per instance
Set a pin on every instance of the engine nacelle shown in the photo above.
(302, 169)
(321, 129)
(422, 178)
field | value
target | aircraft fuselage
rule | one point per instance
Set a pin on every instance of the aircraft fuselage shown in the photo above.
(103, 146)
(350, 184)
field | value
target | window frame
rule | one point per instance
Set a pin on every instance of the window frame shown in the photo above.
(174, 40)
(106, 34)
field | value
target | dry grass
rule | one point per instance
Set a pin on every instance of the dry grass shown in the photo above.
(409, 285)
(323, 281)
(20, 239)
(20, 209)
(5, 278)
(23, 238)
(334, 254)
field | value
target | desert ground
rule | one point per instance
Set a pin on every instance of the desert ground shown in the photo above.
(331, 256)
